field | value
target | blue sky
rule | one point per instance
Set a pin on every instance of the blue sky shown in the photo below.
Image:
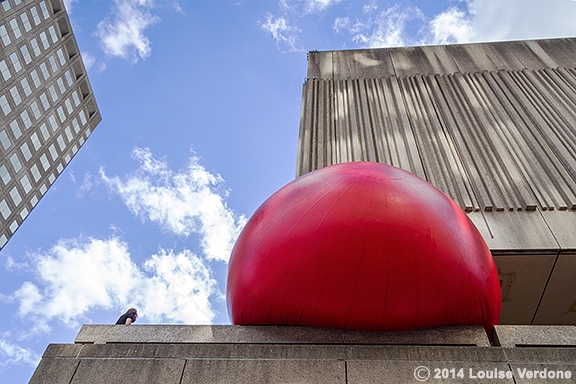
(200, 103)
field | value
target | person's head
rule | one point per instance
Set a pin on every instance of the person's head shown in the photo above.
(132, 313)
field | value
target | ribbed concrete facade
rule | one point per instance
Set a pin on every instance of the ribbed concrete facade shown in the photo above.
(493, 125)
(274, 354)
(47, 109)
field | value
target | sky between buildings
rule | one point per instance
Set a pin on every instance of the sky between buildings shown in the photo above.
(200, 103)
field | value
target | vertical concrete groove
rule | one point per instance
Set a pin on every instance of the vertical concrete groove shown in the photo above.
(75, 370)
(183, 370)
(470, 191)
(544, 290)
(526, 149)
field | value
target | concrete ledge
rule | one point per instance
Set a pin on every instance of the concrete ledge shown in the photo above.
(291, 352)
(509, 336)
(236, 354)
(62, 350)
(544, 355)
(235, 334)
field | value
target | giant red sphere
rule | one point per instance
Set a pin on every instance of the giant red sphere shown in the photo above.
(362, 246)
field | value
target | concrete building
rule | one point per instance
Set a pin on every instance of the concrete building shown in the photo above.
(47, 109)
(494, 126)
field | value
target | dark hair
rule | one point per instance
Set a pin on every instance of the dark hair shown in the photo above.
(132, 313)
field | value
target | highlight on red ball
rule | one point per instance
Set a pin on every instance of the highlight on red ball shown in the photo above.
(362, 246)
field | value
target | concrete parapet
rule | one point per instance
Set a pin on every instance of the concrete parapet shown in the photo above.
(271, 354)
(535, 335)
(235, 334)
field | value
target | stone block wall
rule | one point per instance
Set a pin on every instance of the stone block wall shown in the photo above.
(282, 354)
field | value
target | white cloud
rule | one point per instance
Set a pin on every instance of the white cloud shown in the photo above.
(344, 24)
(319, 5)
(122, 33)
(88, 183)
(68, 5)
(452, 26)
(471, 21)
(89, 60)
(12, 265)
(371, 7)
(306, 6)
(286, 36)
(179, 289)
(388, 28)
(341, 24)
(177, 7)
(12, 354)
(182, 203)
(517, 19)
(76, 277)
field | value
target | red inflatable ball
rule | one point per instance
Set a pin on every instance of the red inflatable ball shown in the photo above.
(362, 246)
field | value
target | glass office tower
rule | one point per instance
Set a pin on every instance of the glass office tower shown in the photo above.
(47, 109)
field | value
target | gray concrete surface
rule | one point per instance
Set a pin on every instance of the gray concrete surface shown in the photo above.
(535, 335)
(469, 335)
(285, 354)
(265, 371)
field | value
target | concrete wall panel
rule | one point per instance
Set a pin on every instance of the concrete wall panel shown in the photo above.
(264, 371)
(54, 371)
(543, 373)
(523, 281)
(558, 304)
(366, 372)
(112, 371)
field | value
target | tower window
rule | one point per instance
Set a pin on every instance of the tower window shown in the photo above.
(35, 16)
(15, 95)
(25, 54)
(6, 109)
(5, 175)
(15, 129)
(26, 22)
(26, 119)
(4, 35)
(26, 152)
(4, 209)
(26, 184)
(35, 78)
(26, 86)
(5, 140)
(44, 40)
(4, 70)
(15, 28)
(35, 47)
(35, 173)
(15, 62)
(15, 163)
(16, 198)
